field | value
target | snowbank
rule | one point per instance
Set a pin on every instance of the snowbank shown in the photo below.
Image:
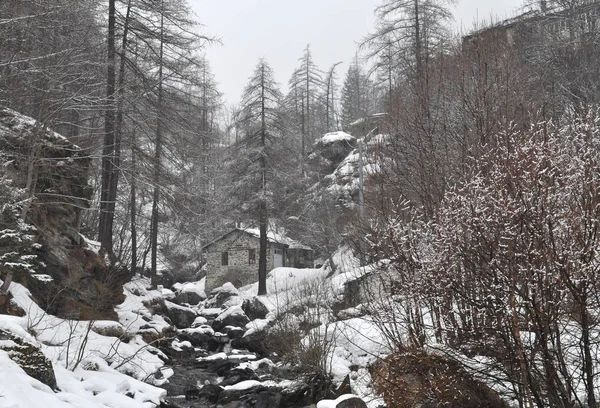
(81, 360)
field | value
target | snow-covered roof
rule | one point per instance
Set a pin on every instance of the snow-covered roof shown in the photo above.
(272, 236)
(277, 238)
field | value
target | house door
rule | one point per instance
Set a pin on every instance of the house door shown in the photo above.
(278, 258)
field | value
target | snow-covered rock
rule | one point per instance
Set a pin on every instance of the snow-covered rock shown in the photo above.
(191, 293)
(198, 336)
(254, 308)
(335, 146)
(344, 401)
(234, 316)
(182, 317)
(219, 296)
(109, 328)
(29, 357)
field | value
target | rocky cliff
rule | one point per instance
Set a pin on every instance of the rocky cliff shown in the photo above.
(46, 177)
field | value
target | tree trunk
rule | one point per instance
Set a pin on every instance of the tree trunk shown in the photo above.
(588, 362)
(157, 155)
(132, 205)
(263, 217)
(106, 216)
(117, 129)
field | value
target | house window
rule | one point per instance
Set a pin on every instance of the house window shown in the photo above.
(251, 256)
(224, 258)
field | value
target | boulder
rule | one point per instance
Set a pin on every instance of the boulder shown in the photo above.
(182, 317)
(266, 399)
(199, 321)
(238, 375)
(210, 313)
(254, 342)
(352, 402)
(109, 328)
(219, 296)
(29, 357)
(208, 392)
(185, 378)
(335, 146)
(242, 391)
(191, 293)
(254, 309)
(190, 298)
(344, 401)
(233, 332)
(297, 395)
(234, 316)
(198, 336)
(152, 333)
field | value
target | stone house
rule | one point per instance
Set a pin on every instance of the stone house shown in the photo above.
(234, 257)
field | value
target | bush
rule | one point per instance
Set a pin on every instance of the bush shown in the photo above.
(299, 334)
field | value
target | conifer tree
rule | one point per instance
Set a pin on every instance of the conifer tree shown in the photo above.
(260, 121)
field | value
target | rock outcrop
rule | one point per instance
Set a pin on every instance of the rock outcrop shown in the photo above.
(51, 174)
(418, 379)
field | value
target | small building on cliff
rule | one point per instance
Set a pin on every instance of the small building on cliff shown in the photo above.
(233, 257)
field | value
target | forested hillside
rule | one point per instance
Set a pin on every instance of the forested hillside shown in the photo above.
(438, 191)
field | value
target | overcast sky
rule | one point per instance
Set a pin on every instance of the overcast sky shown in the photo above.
(279, 30)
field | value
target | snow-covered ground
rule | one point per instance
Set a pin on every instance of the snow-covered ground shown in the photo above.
(95, 369)
(351, 343)
(92, 370)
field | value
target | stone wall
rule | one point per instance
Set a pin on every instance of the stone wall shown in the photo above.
(238, 271)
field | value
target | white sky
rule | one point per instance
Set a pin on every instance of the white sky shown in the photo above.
(279, 30)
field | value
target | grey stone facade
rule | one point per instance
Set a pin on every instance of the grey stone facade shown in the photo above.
(239, 268)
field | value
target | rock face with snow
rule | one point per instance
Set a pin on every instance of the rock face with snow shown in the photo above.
(335, 160)
(335, 146)
(53, 180)
(29, 357)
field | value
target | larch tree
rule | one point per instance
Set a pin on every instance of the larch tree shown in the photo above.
(261, 124)
(358, 96)
(307, 84)
(330, 97)
(416, 27)
(109, 151)
(162, 82)
(412, 36)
